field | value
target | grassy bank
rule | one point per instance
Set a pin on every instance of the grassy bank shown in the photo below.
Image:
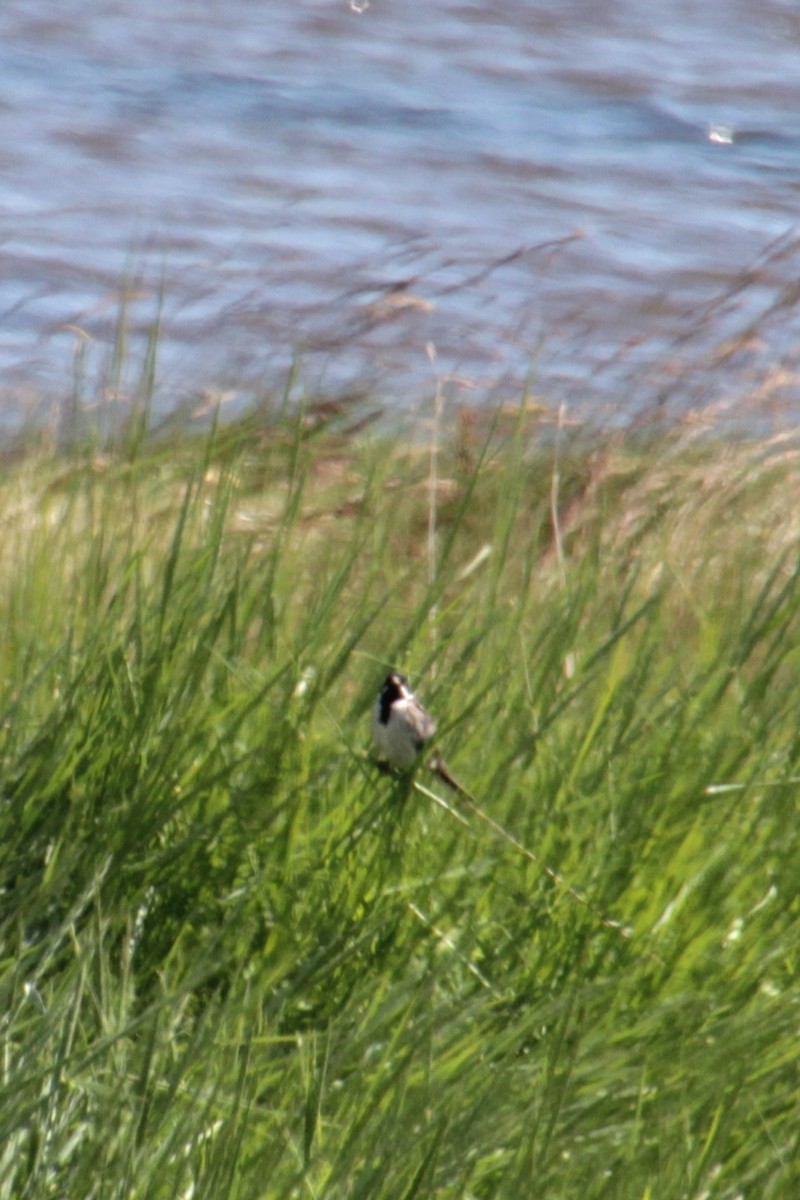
(238, 962)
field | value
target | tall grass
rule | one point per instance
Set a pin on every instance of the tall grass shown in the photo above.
(239, 962)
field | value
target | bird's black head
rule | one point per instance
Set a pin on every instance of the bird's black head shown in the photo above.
(394, 688)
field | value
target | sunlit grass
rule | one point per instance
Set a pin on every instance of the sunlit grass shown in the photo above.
(238, 962)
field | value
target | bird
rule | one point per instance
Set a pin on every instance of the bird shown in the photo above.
(400, 725)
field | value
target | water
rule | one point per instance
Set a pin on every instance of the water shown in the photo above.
(597, 198)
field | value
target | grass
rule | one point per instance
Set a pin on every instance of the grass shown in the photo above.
(237, 962)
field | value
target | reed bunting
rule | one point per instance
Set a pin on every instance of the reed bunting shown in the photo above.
(400, 725)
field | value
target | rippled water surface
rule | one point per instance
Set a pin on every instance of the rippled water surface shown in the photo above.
(598, 197)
